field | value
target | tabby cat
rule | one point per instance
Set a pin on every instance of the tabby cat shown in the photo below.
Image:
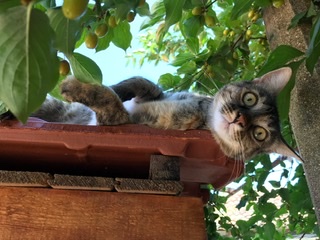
(242, 116)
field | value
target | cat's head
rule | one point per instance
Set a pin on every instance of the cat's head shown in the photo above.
(245, 119)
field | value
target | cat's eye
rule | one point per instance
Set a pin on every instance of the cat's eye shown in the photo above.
(260, 133)
(249, 99)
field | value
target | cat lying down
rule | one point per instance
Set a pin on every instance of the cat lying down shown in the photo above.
(242, 116)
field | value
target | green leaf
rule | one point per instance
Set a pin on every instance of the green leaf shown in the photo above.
(173, 12)
(158, 9)
(48, 3)
(168, 81)
(282, 99)
(84, 69)
(193, 44)
(279, 57)
(143, 10)
(182, 58)
(157, 13)
(122, 11)
(240, 7)
(266, 162)
(192, 26)
(188, 67)
(242, 202)
(275, 184)
(269, 230)
(185, 83)
(263, 3)
(5, 4)
(3, 108)
(122, 36)
(254, 219)
(28, 63)
(243, 225)
(82, 38)
(269, 209)
(296, 19)
(104, 42)
(261, 179)
(313, 51)
(56, 91)
(150, 22)
(68, 32)
(199, 2)
(312, 11)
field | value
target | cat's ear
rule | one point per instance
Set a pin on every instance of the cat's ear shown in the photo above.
(276, 80)
(282, 148)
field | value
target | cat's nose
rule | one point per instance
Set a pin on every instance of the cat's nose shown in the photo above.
(240, 120)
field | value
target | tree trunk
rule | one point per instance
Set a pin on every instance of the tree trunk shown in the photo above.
(305, 97)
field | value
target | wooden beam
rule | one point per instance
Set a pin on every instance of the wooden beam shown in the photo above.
(24, 179)
(81, 182)
(164, 168)
(166, 187)
(40, 213)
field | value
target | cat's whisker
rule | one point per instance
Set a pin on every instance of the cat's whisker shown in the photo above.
(239, 158)
(242, 148)
(234, 171)
(237, 169)
(226, 107)
(241, 151)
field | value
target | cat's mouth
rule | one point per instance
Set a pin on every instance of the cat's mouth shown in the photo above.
(240, 120)
(227, 124)
(232, 125)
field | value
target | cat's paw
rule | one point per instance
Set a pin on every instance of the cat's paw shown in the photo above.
(70, 88)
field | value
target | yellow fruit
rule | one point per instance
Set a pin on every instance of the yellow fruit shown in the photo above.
(235, 55)
(251, 13)
(226, 32)
(73, 9)
(64, 68)
(255, 17)
(209, 72)
(112, 21)
(196, 11)
(209, 20)
(248, 33)
(141, 3)
(232, 33)
(91, 40)
(230, 61)
(101, 30)
(277, 3)
(130, 16)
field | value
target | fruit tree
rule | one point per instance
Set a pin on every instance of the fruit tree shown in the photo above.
(210, 42)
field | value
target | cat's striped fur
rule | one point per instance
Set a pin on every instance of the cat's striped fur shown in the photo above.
(242, 116)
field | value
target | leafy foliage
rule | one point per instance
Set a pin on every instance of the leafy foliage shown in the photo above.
(211, 43)
(29, 63)
(295, 215)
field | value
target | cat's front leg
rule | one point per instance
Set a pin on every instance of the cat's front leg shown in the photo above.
(102, 100)
(72, 90)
